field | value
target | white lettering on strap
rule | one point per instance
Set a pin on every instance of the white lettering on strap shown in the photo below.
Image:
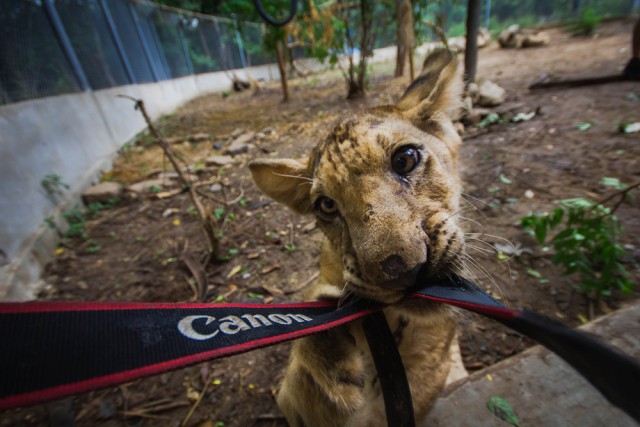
(231, 325)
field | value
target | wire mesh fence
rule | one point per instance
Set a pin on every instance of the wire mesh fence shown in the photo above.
(53, 47)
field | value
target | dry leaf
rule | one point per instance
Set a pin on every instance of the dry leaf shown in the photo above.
(268, 269)
(235, 270)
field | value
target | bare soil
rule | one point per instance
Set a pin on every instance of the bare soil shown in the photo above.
(136, 249)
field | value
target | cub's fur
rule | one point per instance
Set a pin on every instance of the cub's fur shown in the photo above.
(384, 187)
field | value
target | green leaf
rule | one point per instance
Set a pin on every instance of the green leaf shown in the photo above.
(505, 180)
(613, 182)
(254, 295)
(583, 126)
(503, 410)
(534, 273)
(577, 202)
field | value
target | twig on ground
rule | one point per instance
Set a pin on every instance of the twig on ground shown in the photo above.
(204, 215)
(197, 402)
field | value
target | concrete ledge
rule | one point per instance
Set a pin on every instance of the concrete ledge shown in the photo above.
(541, 387)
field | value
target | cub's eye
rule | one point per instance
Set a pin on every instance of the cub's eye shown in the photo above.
(327, 206)
(404, 160)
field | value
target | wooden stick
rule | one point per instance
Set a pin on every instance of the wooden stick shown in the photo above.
(203, 214)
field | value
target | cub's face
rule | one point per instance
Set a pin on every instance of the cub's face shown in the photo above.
(386, 195)
(384, 187)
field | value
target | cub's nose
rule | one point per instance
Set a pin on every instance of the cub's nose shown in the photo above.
(394, 266)
(401, 276)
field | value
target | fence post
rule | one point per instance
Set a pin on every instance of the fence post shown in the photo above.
(243, 60)
(143, 41)
(185, 48)
(117, 41)
(65, 43)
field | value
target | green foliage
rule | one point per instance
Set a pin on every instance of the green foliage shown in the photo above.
(585, 243)
(53, 184)
(76, 220)
(586, 24)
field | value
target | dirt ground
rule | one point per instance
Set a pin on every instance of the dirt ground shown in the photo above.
(509, 170)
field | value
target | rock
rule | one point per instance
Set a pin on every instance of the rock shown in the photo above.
(237, 132)
(536, 40)
(484, 37)
(491, 94)
(215, 188)
(199, 137)
(473, 91)
(511, 37)
(148, 185)
(240, 144)
(102, 192)
(217, 145)
(174, 140)
(219, 160)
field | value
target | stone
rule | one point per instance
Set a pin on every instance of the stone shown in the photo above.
(484, 37)
(215, 188)
(511, 37)
(219, 160)
(240, 144)
(536, 40)
(102, 192)
(174, 140)
(148, 185)
(199, 137)
(473, 92)
(491, 94)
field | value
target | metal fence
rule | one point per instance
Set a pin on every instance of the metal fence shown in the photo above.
(52, 47)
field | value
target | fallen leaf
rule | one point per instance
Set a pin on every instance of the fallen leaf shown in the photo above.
(309, 227)
(273, 291)
(534, 273)
(523, 117)
(176, 221)
(253, 255)
(503, 410)
(59, 251)
(166, 194)
(235, 270)
(268, 269)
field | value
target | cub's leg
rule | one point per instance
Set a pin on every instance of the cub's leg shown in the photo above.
(324, 381)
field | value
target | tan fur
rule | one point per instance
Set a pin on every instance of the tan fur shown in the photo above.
(388, 229)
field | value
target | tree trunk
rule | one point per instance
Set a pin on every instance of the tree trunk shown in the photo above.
(282, 68)
(405, 36)
(471, 49)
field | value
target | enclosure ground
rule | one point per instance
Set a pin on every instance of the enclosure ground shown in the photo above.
(136, 249)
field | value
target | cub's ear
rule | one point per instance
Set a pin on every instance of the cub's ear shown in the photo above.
(435, 91)
(284, 180)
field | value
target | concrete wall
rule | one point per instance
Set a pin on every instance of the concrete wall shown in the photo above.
(76, 137)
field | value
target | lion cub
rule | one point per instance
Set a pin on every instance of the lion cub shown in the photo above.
(384, 187)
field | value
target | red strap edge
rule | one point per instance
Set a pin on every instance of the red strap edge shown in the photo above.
(58, 392)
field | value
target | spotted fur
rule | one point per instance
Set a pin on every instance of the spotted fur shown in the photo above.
(384, 231)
